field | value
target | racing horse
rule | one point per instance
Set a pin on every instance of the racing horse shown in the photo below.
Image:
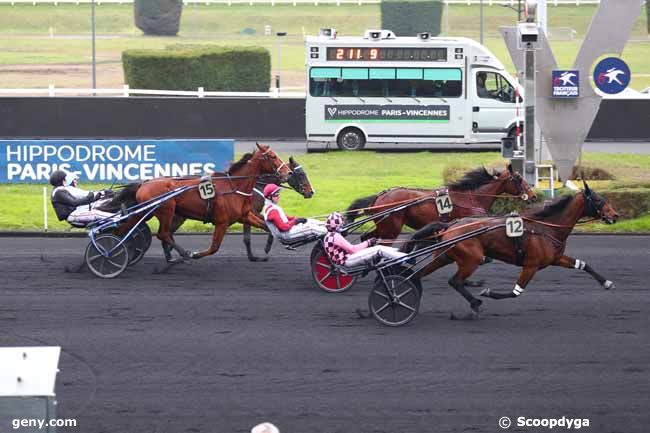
(297, 180)
(473, 194)
(232, 201)
(542, 241)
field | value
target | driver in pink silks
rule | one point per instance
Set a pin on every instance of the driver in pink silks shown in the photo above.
(342, 252)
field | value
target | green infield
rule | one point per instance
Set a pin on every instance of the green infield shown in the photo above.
(34, 37)
(341, 177)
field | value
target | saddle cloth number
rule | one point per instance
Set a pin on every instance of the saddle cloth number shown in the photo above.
(514, 227)
(443, 203)
(206, 190)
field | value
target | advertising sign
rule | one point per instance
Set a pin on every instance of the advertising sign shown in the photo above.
(566, 84)
(387, 113)
(31, 161)
(612, 75)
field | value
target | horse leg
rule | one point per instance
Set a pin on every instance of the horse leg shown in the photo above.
(458, 283)
(571, 263)
(269, 243)
(525, 276)
(165, 215)
(217, 238)
(249, 249)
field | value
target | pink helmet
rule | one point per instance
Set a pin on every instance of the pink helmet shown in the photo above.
(270, 190)
(334, 221)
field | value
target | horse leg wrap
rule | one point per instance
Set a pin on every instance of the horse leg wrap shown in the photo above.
(518, 290)
(607, 284)
(579, 264)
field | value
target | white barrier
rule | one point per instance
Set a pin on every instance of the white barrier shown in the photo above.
(126, 92)
(296, 2)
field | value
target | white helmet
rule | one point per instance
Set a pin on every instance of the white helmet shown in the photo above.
(70, 176)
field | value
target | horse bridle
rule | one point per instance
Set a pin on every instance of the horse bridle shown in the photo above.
(277, 170)
(593, 205)
(519, 189)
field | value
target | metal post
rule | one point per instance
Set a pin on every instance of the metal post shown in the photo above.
(94, 57)
(277, 75)
(529, 123)
(481, 8)
(518, 11)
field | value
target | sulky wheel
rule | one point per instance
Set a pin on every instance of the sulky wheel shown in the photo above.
(394, 300)
(114, 264)
(139, 243)
(325, 275)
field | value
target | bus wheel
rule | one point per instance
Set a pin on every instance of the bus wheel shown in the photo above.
(351, 139)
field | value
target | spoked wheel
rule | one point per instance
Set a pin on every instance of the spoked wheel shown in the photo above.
(394, 300)
(325, 275)
(107, 267)
(139, 243)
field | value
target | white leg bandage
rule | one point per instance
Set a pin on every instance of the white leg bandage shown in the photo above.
(517, 290)
(579, 264)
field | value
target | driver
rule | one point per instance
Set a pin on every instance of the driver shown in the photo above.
(288, 226)
(74, 204)
(342, 252)
(481, 77)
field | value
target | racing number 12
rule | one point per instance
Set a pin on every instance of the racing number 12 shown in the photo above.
(514, 227)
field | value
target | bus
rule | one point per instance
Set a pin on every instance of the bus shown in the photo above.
(422, 90)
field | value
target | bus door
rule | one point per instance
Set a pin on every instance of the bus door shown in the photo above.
(493, 106)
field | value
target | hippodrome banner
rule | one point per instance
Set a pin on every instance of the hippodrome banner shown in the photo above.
(387, 113)
(29, 161)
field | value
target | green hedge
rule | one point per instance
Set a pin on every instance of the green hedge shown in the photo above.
(224, 69)
(407, 18)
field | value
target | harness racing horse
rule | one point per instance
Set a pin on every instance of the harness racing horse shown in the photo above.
(473, 194)
(232, 201)
(297, 180)
(542, 241)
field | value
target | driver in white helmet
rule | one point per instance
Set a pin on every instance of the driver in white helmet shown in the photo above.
(71, 203)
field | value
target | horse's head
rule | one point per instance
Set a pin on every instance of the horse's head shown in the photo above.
(270, 163)
(597, 206)
(515, 184)
(299, 180)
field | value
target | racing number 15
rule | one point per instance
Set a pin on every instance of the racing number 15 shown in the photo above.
(206, 190)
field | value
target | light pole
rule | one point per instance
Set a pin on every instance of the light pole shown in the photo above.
(94, 58)
(481, 22)
(277, 63)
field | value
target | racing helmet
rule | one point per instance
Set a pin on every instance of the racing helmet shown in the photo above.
(270, 190)
(57, 178)
(334, 221)
(70, 177)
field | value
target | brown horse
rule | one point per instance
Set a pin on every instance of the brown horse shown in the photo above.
(542, 242)
(298, 181)
(232, 202)
(473, 194)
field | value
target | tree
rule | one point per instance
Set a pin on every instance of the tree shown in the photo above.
(158, 17)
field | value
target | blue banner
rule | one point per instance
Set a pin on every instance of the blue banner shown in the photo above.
(30, 161)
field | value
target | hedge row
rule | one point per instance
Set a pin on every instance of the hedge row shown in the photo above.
(215, 68)
(407, 18)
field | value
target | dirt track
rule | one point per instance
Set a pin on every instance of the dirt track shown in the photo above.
(222, 344)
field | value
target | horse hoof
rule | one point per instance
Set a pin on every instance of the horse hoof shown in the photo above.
(608, 285)
(485, 293)
(477, 283)
(468, 316)
(361, 314)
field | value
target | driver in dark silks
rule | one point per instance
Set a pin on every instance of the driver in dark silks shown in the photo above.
(71, 203)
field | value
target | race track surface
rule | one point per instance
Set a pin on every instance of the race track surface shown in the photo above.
(222, 344)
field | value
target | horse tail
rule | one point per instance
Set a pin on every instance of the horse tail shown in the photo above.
(424, 233)
(357, 208)
(124, 198)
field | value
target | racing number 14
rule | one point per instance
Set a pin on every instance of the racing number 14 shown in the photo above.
(206, 190)
(443, 203)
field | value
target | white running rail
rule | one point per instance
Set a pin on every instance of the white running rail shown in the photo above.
(296, 2)
(125, 91)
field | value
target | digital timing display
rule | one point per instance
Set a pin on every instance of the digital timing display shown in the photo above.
(363, 54)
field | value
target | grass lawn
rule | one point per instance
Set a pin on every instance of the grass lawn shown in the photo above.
(25, 40)
(340, 177)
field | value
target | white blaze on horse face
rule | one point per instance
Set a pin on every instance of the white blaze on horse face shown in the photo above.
(518, 290)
